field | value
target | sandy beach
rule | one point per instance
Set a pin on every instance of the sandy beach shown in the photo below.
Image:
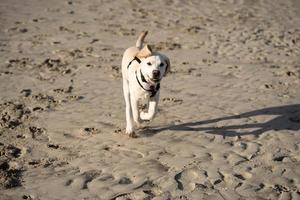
(228, 124)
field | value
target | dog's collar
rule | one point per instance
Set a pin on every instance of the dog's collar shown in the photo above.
(143, 77)
(135, 58)
(153, 90)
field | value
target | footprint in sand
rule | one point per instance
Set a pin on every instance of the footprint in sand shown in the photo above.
(194, 29)
(188, 179)
(124, 180)
(172, 100)
(10, 171)
(106, 177)
(90, 131)
(248, 150)
(81, 182)
(126, 152)
(13, 114)
(38, 133)
(168, 45)
(237, 179)
(20, 63)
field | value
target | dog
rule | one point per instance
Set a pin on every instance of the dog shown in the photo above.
(142, 72)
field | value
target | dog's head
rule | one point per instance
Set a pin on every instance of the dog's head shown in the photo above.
(154, 65)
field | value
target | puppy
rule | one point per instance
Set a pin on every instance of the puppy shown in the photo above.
(142, 72)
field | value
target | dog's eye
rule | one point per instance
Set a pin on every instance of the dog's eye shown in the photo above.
(161, 64)
(149, 63)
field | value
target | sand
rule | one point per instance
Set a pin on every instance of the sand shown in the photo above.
(228, 125)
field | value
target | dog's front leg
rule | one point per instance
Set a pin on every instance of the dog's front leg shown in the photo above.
(129, 122)
(152, 108)
(135, 109)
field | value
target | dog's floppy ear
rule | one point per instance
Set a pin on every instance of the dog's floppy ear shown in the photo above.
(145, 52)
(168, 67)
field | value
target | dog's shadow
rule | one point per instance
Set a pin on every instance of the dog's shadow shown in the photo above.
(285, 118)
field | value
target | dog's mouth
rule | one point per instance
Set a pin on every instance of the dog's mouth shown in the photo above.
(154, 80)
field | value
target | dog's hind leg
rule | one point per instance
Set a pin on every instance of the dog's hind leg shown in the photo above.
(129, 122)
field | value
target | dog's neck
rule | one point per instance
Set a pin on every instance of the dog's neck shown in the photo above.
(152, 88)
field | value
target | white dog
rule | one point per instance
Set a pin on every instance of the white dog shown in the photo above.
(142, 71)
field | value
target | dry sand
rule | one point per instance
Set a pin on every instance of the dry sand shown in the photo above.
(228, 125)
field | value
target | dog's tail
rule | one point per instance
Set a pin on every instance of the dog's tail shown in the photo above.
(140, 40)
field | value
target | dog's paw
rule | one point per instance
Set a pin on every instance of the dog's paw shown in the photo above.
(145, 116)
(133, 135)
(129, 130)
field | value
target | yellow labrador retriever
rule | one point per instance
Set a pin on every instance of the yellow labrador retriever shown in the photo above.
(142, 72)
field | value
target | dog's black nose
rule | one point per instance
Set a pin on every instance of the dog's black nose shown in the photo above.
(156, 73)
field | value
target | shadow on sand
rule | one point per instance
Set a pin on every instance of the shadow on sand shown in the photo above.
(285, 118)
